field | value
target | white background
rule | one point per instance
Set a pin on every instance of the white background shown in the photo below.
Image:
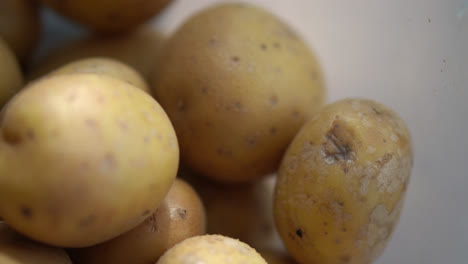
(411, 55)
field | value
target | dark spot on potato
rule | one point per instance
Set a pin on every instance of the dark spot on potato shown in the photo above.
(341, 204)
(228, 108)
(11, 137)
(299, 233)
(238, 105)
(276, 45)
(252, 141)
(337, 146)
(213, 41)
(182, 213)
(263, 46)
(295, 114)
(31, 135)
(345, 170)
(273, 100)
(235, 58)
(89, 220)
(345, 259)
(26, 212)
(337, 241)
(273, 130)
(151, 220)
(203, 90)
(181, 105)
(145, 213)
(376, 111)
(311, 143)
(384, 140)
(278, 70)
(325, 223)
(343, 229)
(325, 233)
(314, 201)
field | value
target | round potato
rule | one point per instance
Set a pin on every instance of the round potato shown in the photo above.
(342, 183)
(211, 249)
(243, 212)
(104, 66)
(20, 26)
(179, 217)
(16, 249)
(89, 157)
(138, 49)
(108, 16)
(238, 84)
(11, 78)
(276, 257)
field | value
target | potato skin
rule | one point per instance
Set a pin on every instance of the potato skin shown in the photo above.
(138, 49)
(238, 84)
(180, 216)
(11, 78)
(211, 249)
(108, 16)
(20, 250)
(342, 183)
(104, 66)
(100, 156)
(20, 26)
(276, 257)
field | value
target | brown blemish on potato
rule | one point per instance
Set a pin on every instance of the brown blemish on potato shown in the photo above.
(235, 59)
(182, 213)
(272, 130)
(145, 213)
(26, 212)
(181, 105)
(345, 259)
(11, 137)
(203, 90)
(252, 141)
(325, 223)
(337, 241)
(263, 46)
(337, 147)
(213, 41)
(89, 220)
(299, 233)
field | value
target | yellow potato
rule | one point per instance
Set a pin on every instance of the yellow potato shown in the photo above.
(11, 78)
(276, 257)
(108, 16)
(342, 183)
(138, 49)
(243, 212)
(83, 158)
(16, 249)
(211, 249)
(180, 216)
(237, 84)
(20, 26)
(104, 66)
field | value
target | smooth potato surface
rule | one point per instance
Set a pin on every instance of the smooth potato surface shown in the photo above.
(238, 84)
(108, 16)
(211, 249)
(342, 183)
(83, 158)
(17, 249)
(180, 216)
(104, 66)
(11, 78)
(20, 26)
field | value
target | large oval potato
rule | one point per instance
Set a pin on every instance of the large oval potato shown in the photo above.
(138, 49)
(89, 157)
(11, 78)
(211, 249)
(108, 16)
(17, 249)
(104, 66)
(238, 84)
(342, 183)
(180, 216)
(20, 26)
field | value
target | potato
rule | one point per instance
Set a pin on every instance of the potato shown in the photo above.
(342, 183)
(108, 16)
(89, 157)
(104, 66)
(243, 212)
(211, 249)
(276, 257)
(20, 26)
(138, 49)
(237, 84)
(180, 216)
(11, 78)
(20, 250)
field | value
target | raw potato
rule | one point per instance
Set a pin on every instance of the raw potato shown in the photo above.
(276, 257)
(108, 16)
(243, 212)
(180, 216)
(11, 78)
(89, 157)
(211, 249)
(20, 26)
(16, 249)
(237, 84)
(342, 183)
(138, 49)
(104, 66)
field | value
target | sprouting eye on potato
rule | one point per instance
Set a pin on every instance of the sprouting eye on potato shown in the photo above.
(11, 78)
(180, 216)
(342, 183)
(83, 158)
(237, 83)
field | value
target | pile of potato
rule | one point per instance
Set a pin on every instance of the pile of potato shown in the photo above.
(91, 136)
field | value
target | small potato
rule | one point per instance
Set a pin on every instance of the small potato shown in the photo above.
(138, 49)
(276, 257)
(20, 26)
(11, 78)
(237, 84)
(211, 249)
(83, 159)
(16, 249)
(108, 16)
(342, 183)
(180, 216)
(104, 66)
